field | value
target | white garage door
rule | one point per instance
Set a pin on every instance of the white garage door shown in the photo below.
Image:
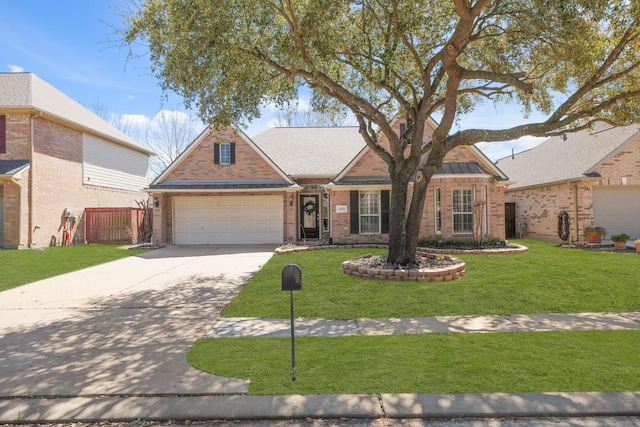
(617, 210)
(203, 220)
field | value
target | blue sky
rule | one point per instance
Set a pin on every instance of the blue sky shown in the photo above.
(71, 44)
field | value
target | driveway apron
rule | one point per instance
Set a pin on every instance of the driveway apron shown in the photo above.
(122, 328)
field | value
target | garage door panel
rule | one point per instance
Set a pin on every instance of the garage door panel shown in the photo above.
(617, 210)
(228, 220)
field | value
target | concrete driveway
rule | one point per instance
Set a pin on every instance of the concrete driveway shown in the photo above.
(122, 328)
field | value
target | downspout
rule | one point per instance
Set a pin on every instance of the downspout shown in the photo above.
(575, 212)
(330, 216)
(485, 223)
(30, 186)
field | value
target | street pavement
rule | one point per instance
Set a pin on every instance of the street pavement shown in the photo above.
(109, 343)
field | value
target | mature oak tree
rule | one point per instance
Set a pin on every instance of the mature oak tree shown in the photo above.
(574, 60)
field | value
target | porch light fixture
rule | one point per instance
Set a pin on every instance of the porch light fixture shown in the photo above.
(156, 202)
(291, 201)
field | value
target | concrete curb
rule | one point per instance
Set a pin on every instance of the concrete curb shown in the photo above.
(242, 407)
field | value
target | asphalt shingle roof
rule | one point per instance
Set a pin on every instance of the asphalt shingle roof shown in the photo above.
(10, 167)
(311, 151)
(574, 156)
(27, 90)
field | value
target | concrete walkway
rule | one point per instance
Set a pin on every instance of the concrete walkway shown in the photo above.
(254, 327)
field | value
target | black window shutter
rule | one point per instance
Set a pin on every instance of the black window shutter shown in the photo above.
(355, 211)
(384, 210)
(216, 153)
(3, 134)
(232, 153)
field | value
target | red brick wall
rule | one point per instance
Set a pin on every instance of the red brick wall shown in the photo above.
(494, 211)
(56, 168)
(18, 135)
(199, 164)
(540, 206)
(372, 165)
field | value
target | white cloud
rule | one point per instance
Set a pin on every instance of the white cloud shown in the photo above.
(15, 68)
(136, 121)
(131, 97)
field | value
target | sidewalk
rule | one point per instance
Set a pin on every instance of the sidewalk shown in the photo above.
(219, 406)
(254, 327)
(296, 407)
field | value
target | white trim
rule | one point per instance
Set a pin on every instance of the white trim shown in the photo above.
(454, 213)
(225, 190)
(378, 215)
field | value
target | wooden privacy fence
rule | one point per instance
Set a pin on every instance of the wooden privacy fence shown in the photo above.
(114, 225)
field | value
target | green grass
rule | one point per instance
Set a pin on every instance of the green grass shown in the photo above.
(547, 279)
(441, 363)
(20, 267)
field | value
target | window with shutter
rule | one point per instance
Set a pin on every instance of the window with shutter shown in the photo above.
(224, 153)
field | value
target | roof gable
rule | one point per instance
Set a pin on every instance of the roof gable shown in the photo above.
(367, 164)
(195, 166)
(567, 157)
(28, 91)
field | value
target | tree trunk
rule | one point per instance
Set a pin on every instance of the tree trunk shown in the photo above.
(414, 219)
(397, 220)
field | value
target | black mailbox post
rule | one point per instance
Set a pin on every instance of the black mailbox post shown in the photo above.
(292, 281)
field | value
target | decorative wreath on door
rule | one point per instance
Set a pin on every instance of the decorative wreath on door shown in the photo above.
(309, 207)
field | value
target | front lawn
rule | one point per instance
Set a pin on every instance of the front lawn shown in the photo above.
(547, 279)
(20, 267)
(436, 363)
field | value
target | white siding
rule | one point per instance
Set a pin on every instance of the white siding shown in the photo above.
(111, 165)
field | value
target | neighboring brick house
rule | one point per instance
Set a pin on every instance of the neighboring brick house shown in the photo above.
(56, 159)
(593, 175)
(315, 184)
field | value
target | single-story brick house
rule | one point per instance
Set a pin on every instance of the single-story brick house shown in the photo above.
(314, 184)
(56, 159)
(592, 175)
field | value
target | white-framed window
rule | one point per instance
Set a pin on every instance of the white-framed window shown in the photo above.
(369, 212)
(463, 198)
(225, 154)
(437, 200)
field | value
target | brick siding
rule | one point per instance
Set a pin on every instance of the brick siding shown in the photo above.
(56, 168)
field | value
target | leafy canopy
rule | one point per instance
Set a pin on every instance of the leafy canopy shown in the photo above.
(572, 59)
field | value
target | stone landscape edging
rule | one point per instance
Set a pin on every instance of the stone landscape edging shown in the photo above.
(438, 274)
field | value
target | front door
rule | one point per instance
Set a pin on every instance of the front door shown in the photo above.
(309, 216)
